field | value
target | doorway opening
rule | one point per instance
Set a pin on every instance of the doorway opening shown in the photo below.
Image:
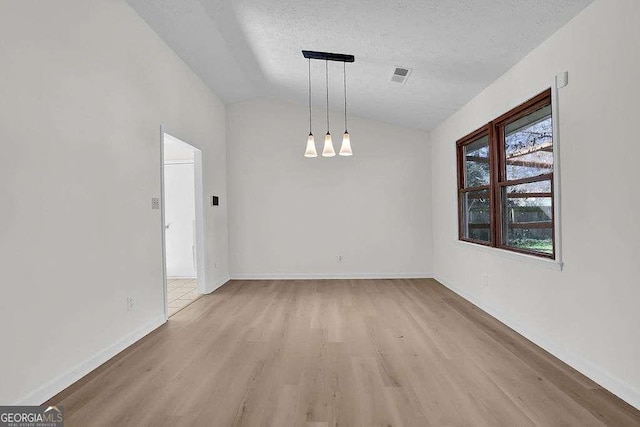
(183, 223)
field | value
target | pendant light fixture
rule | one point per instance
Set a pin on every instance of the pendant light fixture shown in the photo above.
(328, 150)
(345, 149)
(311, 144)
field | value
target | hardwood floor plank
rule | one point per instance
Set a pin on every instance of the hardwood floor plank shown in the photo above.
(575, 386)
(338, 353)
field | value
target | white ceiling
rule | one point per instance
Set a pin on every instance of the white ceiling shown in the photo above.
(245, 49)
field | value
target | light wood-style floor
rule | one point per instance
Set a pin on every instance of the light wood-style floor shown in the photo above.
(337, 353)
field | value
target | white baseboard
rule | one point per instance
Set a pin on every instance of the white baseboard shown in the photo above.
(311, 276)
(55, 386)
(219, 282)
(617, 386)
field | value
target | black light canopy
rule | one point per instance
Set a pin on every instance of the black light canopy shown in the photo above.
(326, 56)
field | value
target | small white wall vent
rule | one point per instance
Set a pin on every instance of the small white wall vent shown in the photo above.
(400, 75)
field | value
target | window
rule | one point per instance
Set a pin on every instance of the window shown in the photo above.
(505, 181)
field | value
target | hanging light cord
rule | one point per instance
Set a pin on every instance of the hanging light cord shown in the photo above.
(326, 66)
(309, 96)
(344, 73)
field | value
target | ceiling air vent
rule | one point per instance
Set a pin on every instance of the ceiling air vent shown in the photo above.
(400, 75)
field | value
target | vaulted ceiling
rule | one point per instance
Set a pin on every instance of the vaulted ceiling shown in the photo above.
(245, 49)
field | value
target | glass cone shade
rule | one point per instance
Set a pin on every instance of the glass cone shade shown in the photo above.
(311, 147)
(328, 150)
(345, 149)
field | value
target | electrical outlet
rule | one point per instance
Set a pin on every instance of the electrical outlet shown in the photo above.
(131, 303)
(339, 258)
(155, 203)
(485, 280)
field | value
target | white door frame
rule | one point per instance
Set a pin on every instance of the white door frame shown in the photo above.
(200, 198)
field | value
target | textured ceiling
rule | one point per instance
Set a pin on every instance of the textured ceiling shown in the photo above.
(251, 48)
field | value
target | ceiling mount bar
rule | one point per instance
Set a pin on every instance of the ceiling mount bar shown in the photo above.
(326, 56)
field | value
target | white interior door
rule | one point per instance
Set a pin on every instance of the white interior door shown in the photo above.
(180, 217)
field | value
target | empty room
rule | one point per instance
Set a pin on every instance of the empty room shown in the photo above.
(319, 213)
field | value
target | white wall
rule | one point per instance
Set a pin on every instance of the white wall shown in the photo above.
(588, 314)
(84, 88)
(291, 216)
(180, 218)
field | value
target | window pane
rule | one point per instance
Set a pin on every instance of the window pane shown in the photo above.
(476, 163)
(529, 145)
(476, 217)
(527, 215)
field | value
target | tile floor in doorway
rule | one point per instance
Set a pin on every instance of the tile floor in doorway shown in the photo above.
(181, 293)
